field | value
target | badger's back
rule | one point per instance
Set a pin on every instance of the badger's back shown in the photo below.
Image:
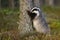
(40, 25)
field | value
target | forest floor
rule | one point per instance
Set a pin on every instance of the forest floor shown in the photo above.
(8, 25)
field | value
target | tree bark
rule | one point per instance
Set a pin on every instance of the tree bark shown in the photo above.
(0, 4)
(58, 2)
(51, 2)
(11, 4)
(47, 2)
(25, 25)
(36, 3)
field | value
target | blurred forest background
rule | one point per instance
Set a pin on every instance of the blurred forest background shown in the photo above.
(9, 15)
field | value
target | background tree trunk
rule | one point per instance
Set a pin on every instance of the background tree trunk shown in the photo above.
(0, 4)
(51, 2)
(25, 26)
(36, 3)
(42, 2)
(58, 2)
(11, 4)
(47, 2)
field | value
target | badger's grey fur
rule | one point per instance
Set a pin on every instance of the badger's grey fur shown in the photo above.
(38, 20)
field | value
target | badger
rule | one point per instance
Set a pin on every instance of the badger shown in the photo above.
(38, 21)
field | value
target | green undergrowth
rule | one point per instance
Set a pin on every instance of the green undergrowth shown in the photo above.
(8, 19)
(51, 10)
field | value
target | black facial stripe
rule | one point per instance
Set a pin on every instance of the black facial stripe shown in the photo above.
(35, 10)
(33, 15)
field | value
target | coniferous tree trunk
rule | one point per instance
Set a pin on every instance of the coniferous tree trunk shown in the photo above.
(58, 2)
(42, 2)
(0, 4)
(51, 2)
(11, 4)
(46, 2)
(25, 26)
(36, 3)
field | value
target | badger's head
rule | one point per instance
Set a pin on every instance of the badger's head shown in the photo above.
(34, 13)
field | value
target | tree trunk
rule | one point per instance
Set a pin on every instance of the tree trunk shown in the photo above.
(36, 3)
(47, 2)
(11, 4)
(58, 2)
(42, 2)
(25, 25)
(51, 2)
(0, 4)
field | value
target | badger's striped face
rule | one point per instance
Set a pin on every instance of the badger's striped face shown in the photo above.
(35, 12)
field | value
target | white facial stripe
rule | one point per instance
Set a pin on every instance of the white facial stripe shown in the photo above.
(37, 12)
(36, 8)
